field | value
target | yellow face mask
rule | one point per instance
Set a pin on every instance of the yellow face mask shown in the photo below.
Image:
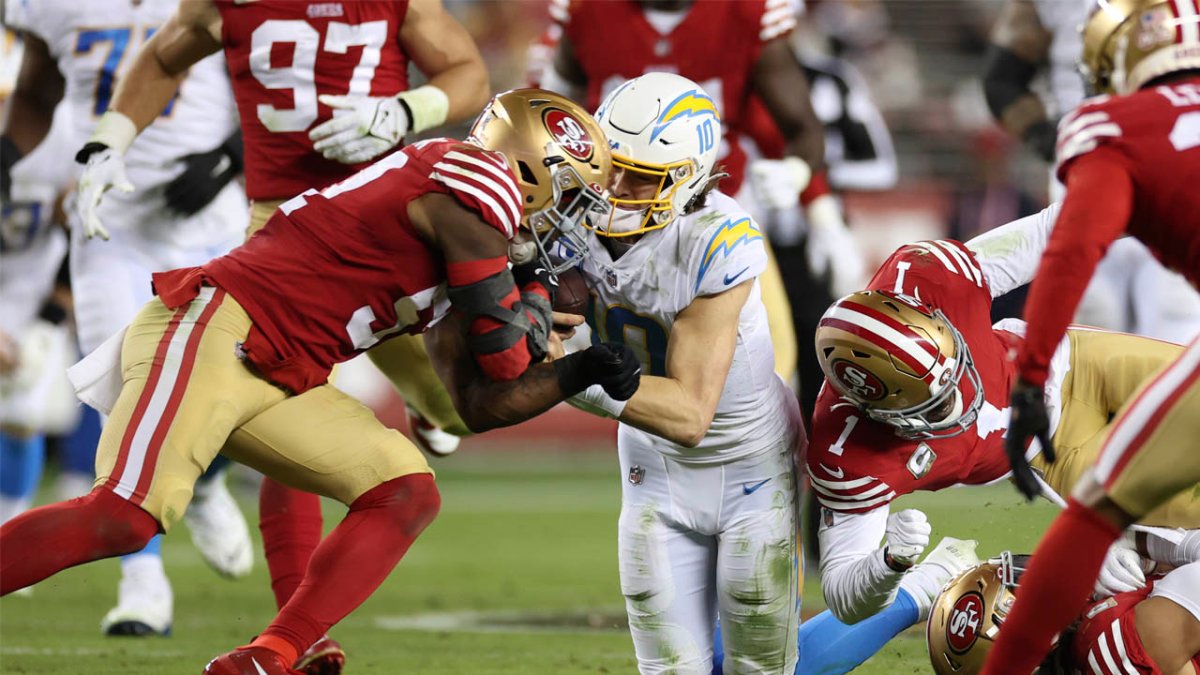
(641, 196)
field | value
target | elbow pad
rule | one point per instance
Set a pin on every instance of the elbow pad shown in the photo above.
(1007, 79)
(504, 335)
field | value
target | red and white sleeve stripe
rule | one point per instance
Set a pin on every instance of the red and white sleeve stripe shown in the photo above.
(779, 17)
(955, 257)
(481, 180)
(1080, 132)
(1108, 655)
(859, 494)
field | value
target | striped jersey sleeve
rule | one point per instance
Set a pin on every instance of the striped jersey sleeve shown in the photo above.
(483, 182)
(778, 18)
(1083, 131)
(850, 495)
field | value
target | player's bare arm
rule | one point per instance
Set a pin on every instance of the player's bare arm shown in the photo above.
(31, 106)
(443, 50)
(680, 406)
(1019, 45)
(193, 33)
(780, 83)
(1170, 634)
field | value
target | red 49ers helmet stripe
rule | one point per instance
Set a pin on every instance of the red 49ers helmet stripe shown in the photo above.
(884, 332)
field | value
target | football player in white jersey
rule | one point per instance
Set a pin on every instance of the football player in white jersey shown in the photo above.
(186, 210)
(1130, 291)
(708, 517)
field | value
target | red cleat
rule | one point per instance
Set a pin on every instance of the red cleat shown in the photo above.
(249, 661)
(324, 657)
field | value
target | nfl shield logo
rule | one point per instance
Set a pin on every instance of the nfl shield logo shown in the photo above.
(611, 277)
(636, 474)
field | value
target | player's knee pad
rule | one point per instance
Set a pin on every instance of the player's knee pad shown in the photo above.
(412, 500)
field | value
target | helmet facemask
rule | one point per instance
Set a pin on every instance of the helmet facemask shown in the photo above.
(560, 229)
(632, 216)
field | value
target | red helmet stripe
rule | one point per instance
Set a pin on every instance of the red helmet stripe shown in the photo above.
(895, 325)
(878, 341)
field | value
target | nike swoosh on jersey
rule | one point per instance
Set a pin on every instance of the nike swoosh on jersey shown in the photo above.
(257, 667)
(729, 279)
(836, 474)
(749, 489)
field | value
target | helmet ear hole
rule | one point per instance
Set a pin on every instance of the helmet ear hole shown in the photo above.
(527, 174)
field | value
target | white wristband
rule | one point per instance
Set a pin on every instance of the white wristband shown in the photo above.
(115, 130)
(593, 400)
(428, 106)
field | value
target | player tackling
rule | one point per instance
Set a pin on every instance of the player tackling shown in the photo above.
(244, 346)
(1130, 162)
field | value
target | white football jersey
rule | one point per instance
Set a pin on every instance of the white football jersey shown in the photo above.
(94, 43)
(638, 296)
(1064, 19)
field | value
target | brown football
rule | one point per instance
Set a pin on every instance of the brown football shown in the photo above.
(572, 297)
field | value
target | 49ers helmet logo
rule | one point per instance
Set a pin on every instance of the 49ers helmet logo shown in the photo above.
(962, 630)
(858, 380)
(569, 133)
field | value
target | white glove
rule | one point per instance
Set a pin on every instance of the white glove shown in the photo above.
(104, 169)
(777, 183)
(370, 127)
(1123, 570)
(907, 536)
(831, 248)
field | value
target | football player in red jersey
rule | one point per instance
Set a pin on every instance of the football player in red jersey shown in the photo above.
(244, 345)
(1131, 164)
(918, 384)
(1153, 630)
(321, 88)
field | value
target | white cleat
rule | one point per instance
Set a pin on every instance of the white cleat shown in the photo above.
(925, 581)
(430, 438)
(219, 529)
(144, 600)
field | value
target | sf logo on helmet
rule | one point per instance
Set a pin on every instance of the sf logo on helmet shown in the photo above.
(568, 133)
(861, 383)
(963, 628)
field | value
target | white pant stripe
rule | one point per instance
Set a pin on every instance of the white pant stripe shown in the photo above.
(140, 445)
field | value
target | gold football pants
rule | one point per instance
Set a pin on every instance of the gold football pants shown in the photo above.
(403, 359)
(1107, 370)
(186, 392)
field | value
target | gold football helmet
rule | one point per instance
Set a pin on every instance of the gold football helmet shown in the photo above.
(901, 362)
(562, 163)
(1127, 43)
(969, 612)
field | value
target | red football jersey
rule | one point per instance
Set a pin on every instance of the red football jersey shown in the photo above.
(334, 272)
(282, 55)
(1107, 640)
(1153, 136)
(716, 45)
(856, 464)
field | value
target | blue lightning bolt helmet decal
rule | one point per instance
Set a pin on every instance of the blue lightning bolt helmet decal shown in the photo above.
(689, 104)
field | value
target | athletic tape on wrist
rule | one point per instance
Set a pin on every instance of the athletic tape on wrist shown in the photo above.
(115, 130)
(427, 107)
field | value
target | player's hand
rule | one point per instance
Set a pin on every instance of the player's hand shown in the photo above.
(565, 324)
(907, 537)
(368, 128)
(535, 273)
(204, 175)
(104, 168)
(1029, 420)
(1122, 571)
(777, 183)
(831, 251)
(614, 367)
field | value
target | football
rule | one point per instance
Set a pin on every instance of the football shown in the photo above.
(572, 296)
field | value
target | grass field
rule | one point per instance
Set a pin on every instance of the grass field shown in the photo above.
(517, 575)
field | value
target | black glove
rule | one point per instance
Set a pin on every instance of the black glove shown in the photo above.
(611, 365)
(204, 175)
(1029, 419)
(1041, 138)
(535, 272)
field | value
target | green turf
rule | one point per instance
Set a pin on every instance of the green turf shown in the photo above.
(517, 575)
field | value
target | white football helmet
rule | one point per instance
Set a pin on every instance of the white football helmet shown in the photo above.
(663, 126)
